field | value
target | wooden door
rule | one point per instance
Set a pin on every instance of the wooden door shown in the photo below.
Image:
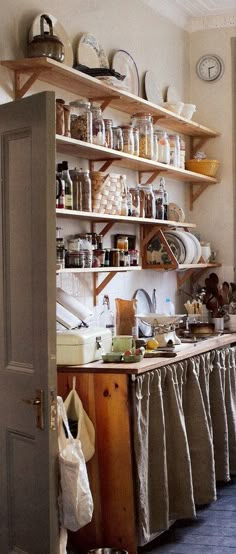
(28, 437)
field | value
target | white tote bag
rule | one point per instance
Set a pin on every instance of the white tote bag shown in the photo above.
(85, 429)
(75, 499)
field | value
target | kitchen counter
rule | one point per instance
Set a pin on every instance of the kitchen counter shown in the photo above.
(184, 350)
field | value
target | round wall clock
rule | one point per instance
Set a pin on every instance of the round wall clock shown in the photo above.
(210, 68)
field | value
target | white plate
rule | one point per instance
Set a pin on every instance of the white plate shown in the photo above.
(58, 30)
(160, 319)
(152, 90)
(125, 65)
(172, 95)
(144, 305)
(198, 248)
(189, 245)
(90, 52)
(175, 212)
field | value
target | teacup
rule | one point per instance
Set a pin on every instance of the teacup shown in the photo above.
(122, 343)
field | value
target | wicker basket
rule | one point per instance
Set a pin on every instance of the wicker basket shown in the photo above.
(205, 167)
(106, 192)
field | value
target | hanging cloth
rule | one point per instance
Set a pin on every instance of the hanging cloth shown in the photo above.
(84, 429)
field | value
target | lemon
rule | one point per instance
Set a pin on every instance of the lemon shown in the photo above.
(152, 344)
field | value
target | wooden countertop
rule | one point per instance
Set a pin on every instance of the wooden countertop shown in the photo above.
(184, 350)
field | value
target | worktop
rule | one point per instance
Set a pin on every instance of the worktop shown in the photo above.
(184, 350)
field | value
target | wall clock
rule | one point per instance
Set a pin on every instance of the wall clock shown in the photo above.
(210, 68)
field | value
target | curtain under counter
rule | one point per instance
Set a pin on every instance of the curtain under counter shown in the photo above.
(184, 423)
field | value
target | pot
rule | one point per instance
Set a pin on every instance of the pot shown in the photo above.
(46, 44)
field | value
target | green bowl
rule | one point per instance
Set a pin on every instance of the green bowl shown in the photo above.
(133, 358)
(112, 357)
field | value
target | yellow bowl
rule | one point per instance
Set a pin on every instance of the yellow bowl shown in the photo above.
(205, 167)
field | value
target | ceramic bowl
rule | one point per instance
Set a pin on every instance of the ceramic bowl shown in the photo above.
(132, 358)
(112, 357)
(175, 107)
(188, 111)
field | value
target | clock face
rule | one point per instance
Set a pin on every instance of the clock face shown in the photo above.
(210, 68)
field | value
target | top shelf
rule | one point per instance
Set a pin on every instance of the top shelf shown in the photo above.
(76, 82)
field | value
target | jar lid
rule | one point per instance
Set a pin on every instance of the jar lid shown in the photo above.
(80, 104)
(126, 126)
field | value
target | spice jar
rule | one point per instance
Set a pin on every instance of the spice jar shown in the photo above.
(134, 255)
(143, 121)
(81, 120)
(98, 126)
(128, 139)
(118, 143)
(108, 132)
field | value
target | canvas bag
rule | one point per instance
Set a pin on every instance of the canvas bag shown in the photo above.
(75, 411)
(75, 498)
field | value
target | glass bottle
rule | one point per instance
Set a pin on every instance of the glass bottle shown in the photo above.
(154, 301)
(155, 146)
(60, 188)
(68, 186)
(159, 201)
(107, 316)
(163, 148)
(124, 202)
(136, 141)
(98, 126)
(118, 143)
(74, 174)
(135, 211)
(143, 121)
(108, 132)
(128, 139)
(81, 120)
(149, 202)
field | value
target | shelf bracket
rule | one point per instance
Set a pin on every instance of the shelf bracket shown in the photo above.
(195, 194)
(107, 228)
(104, 283)
(181, 279)
(153, 176)
(19, 90)
(106, 100)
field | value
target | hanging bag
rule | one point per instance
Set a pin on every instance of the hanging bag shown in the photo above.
(85, 429)
(75, 499)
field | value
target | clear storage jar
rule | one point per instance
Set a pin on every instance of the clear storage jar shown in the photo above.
(118, 142)
(149, 202)
(81, 120)
(163, 148)
(135, 194)
(128, 139)
(108, 132)
(98, 126)
(143, 121)
(136, 141)
(85, 191)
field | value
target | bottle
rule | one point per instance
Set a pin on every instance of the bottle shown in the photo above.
(107, 316)
(159, 201)
(68, 186)
(60, 184)
(169, 307)
(154, 301)
(124, 202)
(166, 197)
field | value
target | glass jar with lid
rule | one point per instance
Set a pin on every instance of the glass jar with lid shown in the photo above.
(143, 121)
(136, 141)
(149, 202)
(85, 191)
(155, 146)
(135, 194)
(98, 126)
(163, 148)
(81, 120)
(118, 143)
(128, 139)
(108, 132)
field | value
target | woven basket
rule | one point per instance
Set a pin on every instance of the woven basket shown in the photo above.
(205, 167)
(106, 192)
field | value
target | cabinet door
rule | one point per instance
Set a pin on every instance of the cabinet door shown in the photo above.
(28, 437)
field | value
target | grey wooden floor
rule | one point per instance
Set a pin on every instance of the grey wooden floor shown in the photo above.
(213, 532)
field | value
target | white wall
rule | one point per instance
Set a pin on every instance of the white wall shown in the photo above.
(154, 43)
(214, 210)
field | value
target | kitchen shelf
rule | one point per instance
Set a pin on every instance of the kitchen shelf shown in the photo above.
(99, 269)
(97, 153)
(76, 82)
(101, 218)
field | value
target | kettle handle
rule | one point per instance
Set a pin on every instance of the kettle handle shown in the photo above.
(45, 17)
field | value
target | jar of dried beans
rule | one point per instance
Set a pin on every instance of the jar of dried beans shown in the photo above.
(143, 121)
(81, 120)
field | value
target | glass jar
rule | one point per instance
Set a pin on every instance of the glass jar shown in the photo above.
(118, 143)
(182, 154)
(81, 120)
(135, 194)
(155, 146)
(114, 257)
(75, 259)
(143, 121)
(128, 139)
(76, 188)
(122, 243)
(108, 132)
(85, 191)
(60, 252)
(149, 200)
(134, 257)
(136, 141)
(163, 148)
(98, 126)
(173, 150)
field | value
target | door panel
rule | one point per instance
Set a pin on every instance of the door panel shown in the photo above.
(28, 454)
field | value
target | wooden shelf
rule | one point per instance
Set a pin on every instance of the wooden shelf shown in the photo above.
(93, 152)
(99, 269)
(102, 218)
(76, 82)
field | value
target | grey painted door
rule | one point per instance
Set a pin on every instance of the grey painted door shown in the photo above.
(28, 438)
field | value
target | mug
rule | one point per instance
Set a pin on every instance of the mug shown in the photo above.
(219, 323)
(121, 343)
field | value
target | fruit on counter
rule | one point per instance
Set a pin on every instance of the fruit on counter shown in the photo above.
(128, 353)
(139, 351)
(152, 344)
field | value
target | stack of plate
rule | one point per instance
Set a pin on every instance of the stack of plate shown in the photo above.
(185, 246)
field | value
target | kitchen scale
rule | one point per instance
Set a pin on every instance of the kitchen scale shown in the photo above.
(163, 327)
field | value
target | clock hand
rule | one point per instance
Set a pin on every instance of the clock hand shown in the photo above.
(209, 69)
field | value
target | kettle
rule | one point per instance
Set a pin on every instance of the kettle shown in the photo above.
(46, 44)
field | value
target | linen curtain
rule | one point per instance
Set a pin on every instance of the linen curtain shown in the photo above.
(184, 437)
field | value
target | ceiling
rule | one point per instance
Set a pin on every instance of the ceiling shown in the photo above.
(185, 12)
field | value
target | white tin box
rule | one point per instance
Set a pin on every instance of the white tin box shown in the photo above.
(82, 346)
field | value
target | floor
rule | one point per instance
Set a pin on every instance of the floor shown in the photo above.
(213, 532)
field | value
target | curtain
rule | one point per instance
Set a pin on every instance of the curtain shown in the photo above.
(184, 424)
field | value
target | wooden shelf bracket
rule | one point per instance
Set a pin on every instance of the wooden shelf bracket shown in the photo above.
(19, 90)
(195, 193)
(153, 176)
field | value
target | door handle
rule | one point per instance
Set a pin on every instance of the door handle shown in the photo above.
(38, 401)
